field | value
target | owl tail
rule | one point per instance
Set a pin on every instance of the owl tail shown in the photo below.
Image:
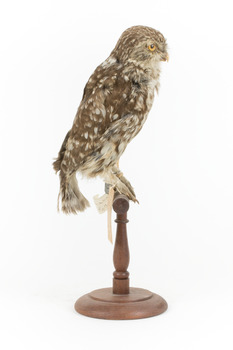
(72, 200)
(58, 160)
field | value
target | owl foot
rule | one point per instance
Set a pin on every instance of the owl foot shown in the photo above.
(121, 177)
(120, 186)
(123, 189)
(127, 183)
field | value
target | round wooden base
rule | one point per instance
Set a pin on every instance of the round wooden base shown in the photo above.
(102, 303)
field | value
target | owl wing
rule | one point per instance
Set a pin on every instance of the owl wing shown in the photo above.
(90, 123)
(112, 144)
(102, 128)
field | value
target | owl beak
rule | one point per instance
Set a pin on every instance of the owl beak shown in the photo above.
(166, 57)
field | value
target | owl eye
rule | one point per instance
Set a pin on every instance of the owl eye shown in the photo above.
(151, 47)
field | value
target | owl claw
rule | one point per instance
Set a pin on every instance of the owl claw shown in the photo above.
(127, 183)
(121, 185)
(134, 199)
(122, 188)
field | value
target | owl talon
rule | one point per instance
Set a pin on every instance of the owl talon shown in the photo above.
(124, 189)
(134, 199)
(128, 184)
(121, 177)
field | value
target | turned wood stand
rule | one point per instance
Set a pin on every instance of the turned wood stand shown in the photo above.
(121, 302)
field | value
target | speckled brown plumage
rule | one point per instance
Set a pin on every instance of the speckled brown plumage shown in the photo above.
(116, 101)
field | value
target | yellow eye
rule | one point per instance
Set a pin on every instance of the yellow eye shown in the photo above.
(151, 47)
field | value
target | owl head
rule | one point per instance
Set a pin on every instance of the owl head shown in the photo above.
(142, 45)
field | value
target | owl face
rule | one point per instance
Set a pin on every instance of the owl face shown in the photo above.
(143, 45)
(149, 51)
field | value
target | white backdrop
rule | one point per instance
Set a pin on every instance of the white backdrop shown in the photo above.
(180, 235)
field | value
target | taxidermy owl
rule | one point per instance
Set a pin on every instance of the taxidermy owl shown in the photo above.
(116, 101)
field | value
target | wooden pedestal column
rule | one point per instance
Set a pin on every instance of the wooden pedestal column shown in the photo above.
(121, 302)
